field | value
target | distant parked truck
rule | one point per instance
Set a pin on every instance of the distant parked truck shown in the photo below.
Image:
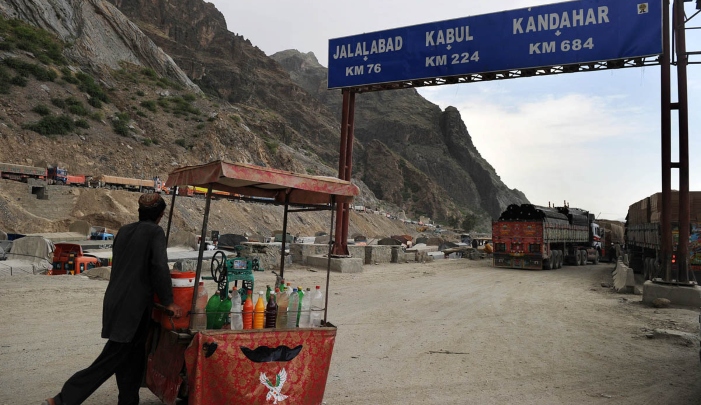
(643, 234)
(21, 172)
(58, 175)
(100, 233)
(613, 238)
(127, 183)
(69, 259)
(534, 237)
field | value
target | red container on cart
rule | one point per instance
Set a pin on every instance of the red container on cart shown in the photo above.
(264, 366)
(183, 287)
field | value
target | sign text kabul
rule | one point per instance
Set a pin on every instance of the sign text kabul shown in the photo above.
(551, 35)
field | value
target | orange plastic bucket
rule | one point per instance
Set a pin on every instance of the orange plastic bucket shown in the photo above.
(183, 287)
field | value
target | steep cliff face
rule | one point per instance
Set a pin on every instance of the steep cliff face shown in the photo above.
(101, 36)
(437, 143)
(246, 107)
(228, 66)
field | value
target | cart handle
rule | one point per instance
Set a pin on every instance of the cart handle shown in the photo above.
(164, 309)
(167, 312)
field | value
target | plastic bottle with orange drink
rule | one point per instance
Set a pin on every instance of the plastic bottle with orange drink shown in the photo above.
(259, 312)
(248, 311)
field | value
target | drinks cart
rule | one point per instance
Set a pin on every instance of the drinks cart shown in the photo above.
(259, 366)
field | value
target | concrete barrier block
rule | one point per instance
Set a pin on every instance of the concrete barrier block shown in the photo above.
(300, 251)
(423, 248)
(623, 279)
(407, 257)
(678, 295)
(357, 252)
(340, 265)
(378, 254)
(436, 255)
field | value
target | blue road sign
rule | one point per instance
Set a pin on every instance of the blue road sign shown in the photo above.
(549, 35)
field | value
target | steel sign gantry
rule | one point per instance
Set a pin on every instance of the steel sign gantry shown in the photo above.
(653, 21)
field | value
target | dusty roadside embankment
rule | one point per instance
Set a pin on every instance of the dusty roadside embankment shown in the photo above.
(21, 212)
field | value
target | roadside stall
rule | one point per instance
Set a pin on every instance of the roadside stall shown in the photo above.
(254, 366)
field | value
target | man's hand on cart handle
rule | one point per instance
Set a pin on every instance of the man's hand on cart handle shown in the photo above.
(175, 309)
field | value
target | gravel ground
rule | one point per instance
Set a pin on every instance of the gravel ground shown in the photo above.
(450, 331)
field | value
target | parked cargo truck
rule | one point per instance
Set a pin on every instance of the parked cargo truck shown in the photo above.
(643, 234)
(613, 239)
(533, 237)
(21, 173)
(127, 183)
(58, 175)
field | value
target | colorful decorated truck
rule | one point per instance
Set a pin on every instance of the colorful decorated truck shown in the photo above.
(533, 237)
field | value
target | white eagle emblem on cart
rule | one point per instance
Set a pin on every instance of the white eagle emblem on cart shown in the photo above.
(274, 390)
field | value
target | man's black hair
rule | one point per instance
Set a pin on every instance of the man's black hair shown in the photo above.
(152, 214)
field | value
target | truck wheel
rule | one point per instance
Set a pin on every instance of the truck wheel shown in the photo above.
(548, 263)
(596, 258)
(646, 269)
(559, 259)
(584, 257)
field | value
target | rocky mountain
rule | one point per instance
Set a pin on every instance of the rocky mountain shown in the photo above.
(145, 86)
(436, 142)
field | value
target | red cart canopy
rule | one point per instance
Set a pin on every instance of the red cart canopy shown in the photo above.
(255, 181)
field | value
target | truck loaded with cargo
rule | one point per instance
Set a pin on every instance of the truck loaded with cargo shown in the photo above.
(21, 173)
(533, 237)
(612, 239)
(126, 183)
(643, 234)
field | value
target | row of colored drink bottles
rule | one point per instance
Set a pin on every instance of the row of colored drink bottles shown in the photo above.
(286, 307)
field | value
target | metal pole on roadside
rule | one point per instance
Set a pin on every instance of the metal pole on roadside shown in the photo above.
(666, 148)
(683, 111)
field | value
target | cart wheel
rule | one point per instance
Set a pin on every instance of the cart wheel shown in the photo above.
(217, 267)
(255, 264)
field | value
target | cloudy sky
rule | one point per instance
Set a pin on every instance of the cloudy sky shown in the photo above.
(591, 139)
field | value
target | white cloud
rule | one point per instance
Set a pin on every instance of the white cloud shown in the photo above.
(555, 147)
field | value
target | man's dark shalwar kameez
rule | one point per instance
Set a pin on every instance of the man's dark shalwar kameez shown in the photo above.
(139, 268)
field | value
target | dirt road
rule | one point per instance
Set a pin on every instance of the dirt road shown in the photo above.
(451, 331)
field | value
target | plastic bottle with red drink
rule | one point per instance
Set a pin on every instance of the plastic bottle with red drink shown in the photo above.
(248, 311)
(271, 310)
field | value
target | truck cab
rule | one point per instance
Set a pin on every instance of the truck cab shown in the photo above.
(57, 175)
(70, 259)
(597, 236)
